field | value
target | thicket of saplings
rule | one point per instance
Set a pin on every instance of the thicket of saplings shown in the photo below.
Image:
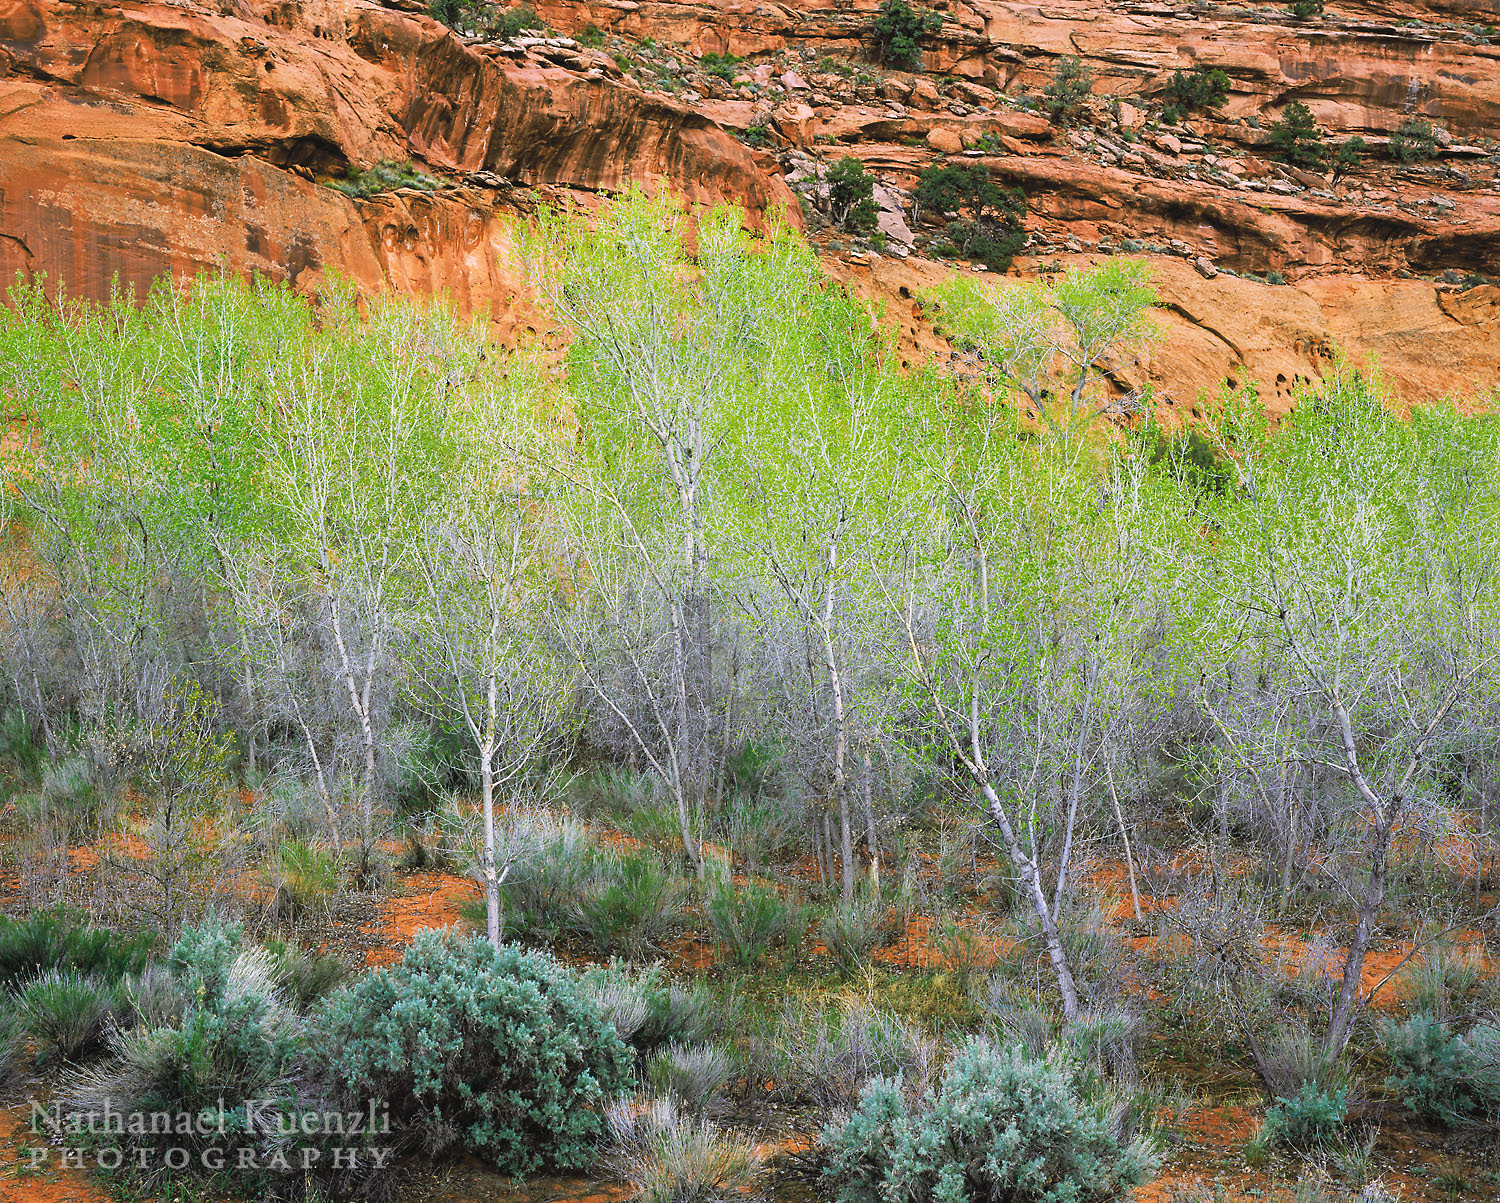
(728, 628)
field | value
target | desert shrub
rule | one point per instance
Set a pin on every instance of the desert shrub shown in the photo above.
(722, 65)
(498, 1051)
(433, 843)
(53, 939)
(1347, 156)
(301, 877)
(991, 231)
(752, 919)
(68, 1012)
(898, 31)
(10, 1046)
(1303, 9)
(1437, 1074)
(1066, 95)
(305, 976)
(824, 1056)
(70, 797)
(1415, 141)
(19, 750)
(1298, 139)
(1310, 1117)
(1440, 979)
(385, 176)
(851, 196)
(1001, 1125)
(682, 1015)
(480, 18)
(692, 1073)
(635, 906)
(854, 929)
(611, 790)
(670, 1157)
(232, 1041)
(553, 871)
(1203, 89)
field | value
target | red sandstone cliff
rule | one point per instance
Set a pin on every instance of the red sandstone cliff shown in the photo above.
(146, 137)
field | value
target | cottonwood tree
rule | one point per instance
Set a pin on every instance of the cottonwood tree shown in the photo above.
(489, 592)
(1024, 616)
(1057, 343)
(359, 451)
(665, 344)
(1355, 581)
(814, 459)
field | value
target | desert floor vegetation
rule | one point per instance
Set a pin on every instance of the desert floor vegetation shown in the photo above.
(722, 763)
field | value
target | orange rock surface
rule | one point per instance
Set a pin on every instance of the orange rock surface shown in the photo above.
(152, 137)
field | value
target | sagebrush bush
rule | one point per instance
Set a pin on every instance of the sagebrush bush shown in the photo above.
(752, 919)
(498, 1051)
(1310, 1117)
(215, 1033)
(1001, 1126)
(1439, 1075)
(68, 1013)
(671, 1157)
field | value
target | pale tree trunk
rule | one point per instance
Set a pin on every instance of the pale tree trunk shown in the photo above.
(1135, 894)
(487, 787)
(840, 724)
(867, 785)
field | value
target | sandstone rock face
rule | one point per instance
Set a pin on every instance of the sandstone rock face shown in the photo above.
(171, 138)
(1227, 331)
(175, 135)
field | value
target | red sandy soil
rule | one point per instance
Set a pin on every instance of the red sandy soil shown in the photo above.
(50, 1183)
(426, 900)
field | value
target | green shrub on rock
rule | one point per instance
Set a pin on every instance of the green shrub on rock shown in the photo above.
(497, 1051)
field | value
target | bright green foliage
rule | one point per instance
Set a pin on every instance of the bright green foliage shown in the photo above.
(851, 196)
(1203, 89)
(1415, 141)
(1298, 138)
(1439, 1075)
(1310, 1117)
(1069, 92)
(495, 1050)
(898, 32)
(1048, 341)
(1303, 9)
(1001, 1126)
(723, 65)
